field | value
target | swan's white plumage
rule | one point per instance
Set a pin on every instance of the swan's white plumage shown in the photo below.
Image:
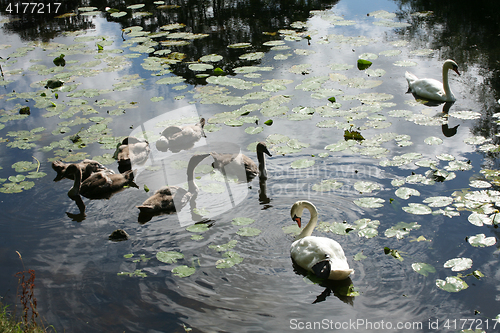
(307, 251)
(433, 89)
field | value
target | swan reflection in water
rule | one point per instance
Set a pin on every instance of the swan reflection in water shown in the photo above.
(101, 184)
(342, 289)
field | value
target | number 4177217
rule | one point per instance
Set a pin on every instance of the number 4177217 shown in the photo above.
(32, 8)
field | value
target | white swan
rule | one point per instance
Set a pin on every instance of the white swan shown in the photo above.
(177, 138)
(170, 199)
(234, 164)
(433, 89)
(320, 255)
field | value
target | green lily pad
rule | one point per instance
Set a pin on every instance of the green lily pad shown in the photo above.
(200, 227)
(394, 253)
(423, 268)
(480, 240)
(452, 284)
(169, 257)
(369, 202)
(364, 64)
(327, 185)
(248, 231)
(366, 186)
(406, 192)
(417, 209)
(232, 258)
(401, 230)
(302, 163)
(242, 221)
(359, 256)
(183, 271)
(458, 264)
(438, 201)
(224, 247)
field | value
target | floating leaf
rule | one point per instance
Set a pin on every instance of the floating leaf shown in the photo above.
(232, 258)
(480, 240)
(363, 64)
(169, 257)
(423, 268)
(401, 230)
(393, 253)
(224, 247)
(369, 202)
(458, 264)
(406, 192)
(438, 201)
(366, 187)
(452, 284)
(183, 271)
(359, 256)
(302, 163)
(418, 209)
(248, 231)
(200, 227)
(327, 185)
(242, 221)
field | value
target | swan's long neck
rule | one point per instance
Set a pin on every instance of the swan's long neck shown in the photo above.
(75, 190)
(192, 188)
(307, 231)
(262, 164)
(446, 85)
(193, 162)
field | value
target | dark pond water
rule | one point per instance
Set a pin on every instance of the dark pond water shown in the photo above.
(134, 69)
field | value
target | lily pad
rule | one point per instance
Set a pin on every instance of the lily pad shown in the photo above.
(242, 221)
(480, 240)
(224, 247)
(369, 202)
(302, 163)
(183, 271)
(458, 264)
(327, 185)
(200, 227)
(232, 258)
(423, 268)
(248, 231)
(452, 284)
(169, 257)
(417, 209)
(406, 192)
(366, 186)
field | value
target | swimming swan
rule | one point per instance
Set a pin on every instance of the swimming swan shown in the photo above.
(131, 151)
(177, 138)
(169, 199)
(320, 255)
(233, 164)
(87, 167)
(99, 185)
(433, 89)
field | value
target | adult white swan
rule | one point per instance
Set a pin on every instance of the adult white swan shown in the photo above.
(320, 255)
(433, 89)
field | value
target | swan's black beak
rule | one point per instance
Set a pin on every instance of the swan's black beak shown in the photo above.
(297, 219)
(456, 70)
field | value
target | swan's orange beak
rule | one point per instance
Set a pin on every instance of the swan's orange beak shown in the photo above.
(297, 219)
